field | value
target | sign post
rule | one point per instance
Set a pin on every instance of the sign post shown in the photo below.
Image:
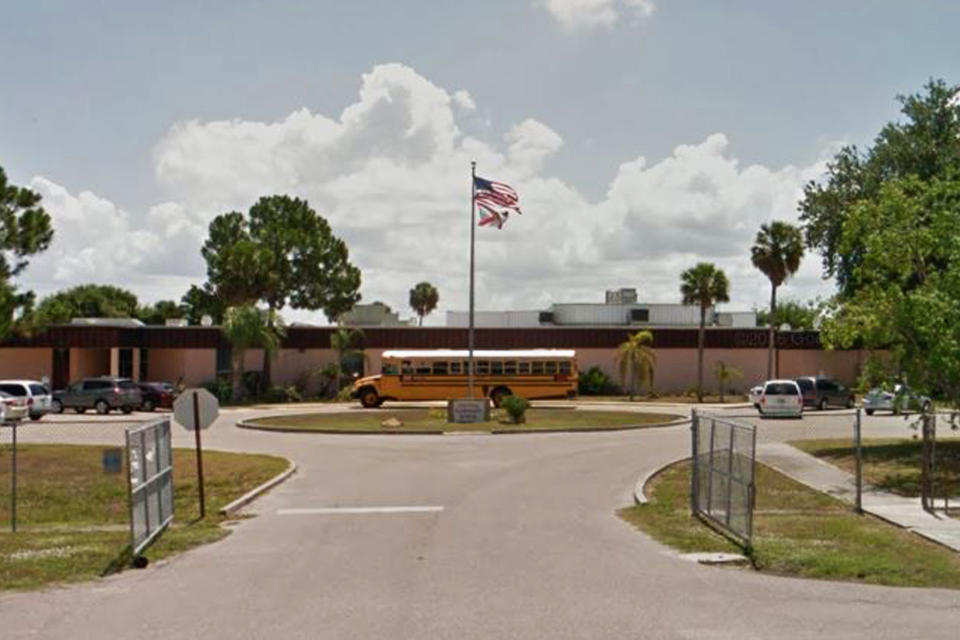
(196, 409)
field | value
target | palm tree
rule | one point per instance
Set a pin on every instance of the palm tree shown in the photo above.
(346, 342)
(247, 327)
(724, 373)
(703, 285)
(636, 360)
(776, 252)
(423, 299)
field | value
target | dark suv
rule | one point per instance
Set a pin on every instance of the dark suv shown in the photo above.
(821, 392)
(100, 394)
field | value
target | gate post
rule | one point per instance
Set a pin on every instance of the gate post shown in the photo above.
(694, 463)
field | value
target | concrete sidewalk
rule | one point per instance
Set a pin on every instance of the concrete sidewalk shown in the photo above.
(903, 512)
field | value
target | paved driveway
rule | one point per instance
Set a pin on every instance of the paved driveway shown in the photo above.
(511, 537)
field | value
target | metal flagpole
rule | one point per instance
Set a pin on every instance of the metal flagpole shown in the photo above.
(473, 214)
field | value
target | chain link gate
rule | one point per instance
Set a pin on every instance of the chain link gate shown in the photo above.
(723, 475)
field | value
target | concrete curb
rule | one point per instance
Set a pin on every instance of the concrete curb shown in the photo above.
(256, 492)
(250, 424)
(639, 489)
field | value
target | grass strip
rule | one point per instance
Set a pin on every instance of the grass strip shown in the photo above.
(73, 518)
(435, 421)
(891, 464)
(799, 532)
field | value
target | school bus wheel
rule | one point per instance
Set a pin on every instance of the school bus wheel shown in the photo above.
(369, 398)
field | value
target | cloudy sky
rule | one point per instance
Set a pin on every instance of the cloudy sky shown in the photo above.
(642, 135)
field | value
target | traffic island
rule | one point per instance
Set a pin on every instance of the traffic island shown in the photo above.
(434, 421)
(798, 532)
(73, 518)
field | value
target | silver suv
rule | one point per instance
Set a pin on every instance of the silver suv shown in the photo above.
(99, 394)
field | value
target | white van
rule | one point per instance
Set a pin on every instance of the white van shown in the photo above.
(781, 398)
(31, 394)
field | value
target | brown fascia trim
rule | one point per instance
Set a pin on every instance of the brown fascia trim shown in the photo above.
(303, 338)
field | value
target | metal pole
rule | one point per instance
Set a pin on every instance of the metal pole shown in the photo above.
(196, 431)
(857, 443)
(13, 482)
(473, 214)
(694, 464)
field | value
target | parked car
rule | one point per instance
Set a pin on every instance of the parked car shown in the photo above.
(156, 395)
(882, 400)
(101, 394)
(822, 392)
(12, 408)
(754, 396)
(33, 394)
(781, 398)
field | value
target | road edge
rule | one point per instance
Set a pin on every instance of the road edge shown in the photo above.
(256, 492)
(639, 488)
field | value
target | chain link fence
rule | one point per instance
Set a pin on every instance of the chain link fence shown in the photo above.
(65, 473)
(723, 476)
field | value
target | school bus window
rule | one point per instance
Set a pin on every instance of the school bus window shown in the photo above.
(483, 367)
(439, 368)
(389, 369)
(510, 367)
(423, 368)
(455, 368)
(523, 368)
(565, 368)
(496, 368)
(406, 368)
(550, 368)
(537, 366)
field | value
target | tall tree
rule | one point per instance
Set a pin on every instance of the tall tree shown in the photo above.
(346, 342)
(725, 374)
(776, 252)
(86, 301)
(161, 311)
(247, 327)
(423, 299)
(25, 230)
(799, 315)
(636, 360)
(704, 285)
(283, 254)
(202, 301)
(923, 145)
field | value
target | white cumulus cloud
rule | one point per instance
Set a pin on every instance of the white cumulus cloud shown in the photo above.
(391, 172)
(590, 14)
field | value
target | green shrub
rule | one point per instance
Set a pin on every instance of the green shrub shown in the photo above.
(516, 407)
(278, 394)
(220, 387)
(344, 394)
(595, 382)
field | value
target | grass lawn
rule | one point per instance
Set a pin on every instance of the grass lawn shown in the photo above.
(73, 520)
(891, 465)
(435, 421)
(800, 532)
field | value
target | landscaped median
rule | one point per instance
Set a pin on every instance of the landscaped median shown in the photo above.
(434, 421)
(73, 519)
(798, 532)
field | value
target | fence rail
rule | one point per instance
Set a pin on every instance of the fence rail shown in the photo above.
(723, 475)
(150, 468)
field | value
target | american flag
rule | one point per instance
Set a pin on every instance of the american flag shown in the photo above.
(496, 201)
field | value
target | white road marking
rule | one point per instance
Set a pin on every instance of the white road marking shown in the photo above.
(334, 511)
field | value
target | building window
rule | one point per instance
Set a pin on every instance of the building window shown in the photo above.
(546, 317)
(144, 364)
(125, 363)
(224, 364)
(639, 315)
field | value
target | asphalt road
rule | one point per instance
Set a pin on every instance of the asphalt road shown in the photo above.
(516, 537)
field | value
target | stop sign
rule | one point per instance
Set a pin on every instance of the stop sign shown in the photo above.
(208, 408)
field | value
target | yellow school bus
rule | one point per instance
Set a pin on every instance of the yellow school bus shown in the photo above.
(441, 374)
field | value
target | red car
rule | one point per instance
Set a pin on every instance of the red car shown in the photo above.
(157, 394)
